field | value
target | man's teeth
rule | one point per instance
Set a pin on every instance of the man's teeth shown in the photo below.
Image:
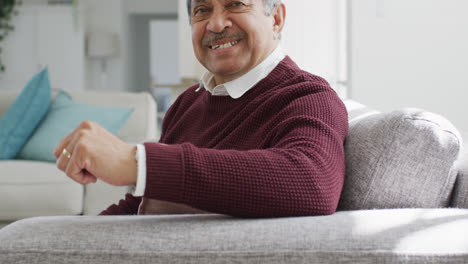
(224, 46)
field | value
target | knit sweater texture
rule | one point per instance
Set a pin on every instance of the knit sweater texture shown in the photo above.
(276, 151)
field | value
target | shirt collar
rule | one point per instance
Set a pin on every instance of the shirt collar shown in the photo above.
(238, 87)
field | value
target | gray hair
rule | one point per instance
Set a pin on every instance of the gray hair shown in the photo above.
(268, 6)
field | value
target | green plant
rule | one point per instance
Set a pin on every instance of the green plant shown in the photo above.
(7, 10)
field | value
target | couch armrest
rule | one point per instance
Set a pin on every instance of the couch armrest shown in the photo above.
(373, 236)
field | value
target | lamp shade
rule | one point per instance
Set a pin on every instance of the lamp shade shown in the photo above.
(102, 45)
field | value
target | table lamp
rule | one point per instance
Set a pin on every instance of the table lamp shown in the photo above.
(102, 46)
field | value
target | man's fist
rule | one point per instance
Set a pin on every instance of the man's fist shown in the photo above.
(95, 154)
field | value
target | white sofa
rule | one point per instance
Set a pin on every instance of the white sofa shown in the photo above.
(34, 188)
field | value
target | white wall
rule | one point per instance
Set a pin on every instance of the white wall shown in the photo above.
(312, 36)
(411, 54)
(308, 36)
(164, 62)
(43, 36)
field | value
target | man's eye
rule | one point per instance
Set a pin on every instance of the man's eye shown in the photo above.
(236, 4)
(200, 11)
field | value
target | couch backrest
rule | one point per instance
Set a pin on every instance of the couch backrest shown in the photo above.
(404, 158)
(142, 125)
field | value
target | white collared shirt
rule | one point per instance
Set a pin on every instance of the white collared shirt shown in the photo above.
(238, 87)
(235, 88)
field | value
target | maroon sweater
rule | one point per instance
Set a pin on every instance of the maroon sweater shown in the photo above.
(276, 151)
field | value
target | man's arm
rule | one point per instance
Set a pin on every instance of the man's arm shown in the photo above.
(301, 173)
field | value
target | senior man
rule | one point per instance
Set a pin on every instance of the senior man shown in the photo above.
(258, 137)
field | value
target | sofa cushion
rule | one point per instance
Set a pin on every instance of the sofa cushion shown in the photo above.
(30, 188)
(400, 159)
(63, 117)
(375, 236)
(24, 115)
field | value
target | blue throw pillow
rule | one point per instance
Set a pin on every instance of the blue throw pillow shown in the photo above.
(24, 115)
(63, 117)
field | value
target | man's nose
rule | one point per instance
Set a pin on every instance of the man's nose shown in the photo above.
(218, 22)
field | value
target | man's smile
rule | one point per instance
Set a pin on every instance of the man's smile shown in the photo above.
(224, 46)
(223, 41)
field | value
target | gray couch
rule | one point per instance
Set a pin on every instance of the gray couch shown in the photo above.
(404, 159)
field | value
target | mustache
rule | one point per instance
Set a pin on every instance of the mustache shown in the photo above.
(223, 35)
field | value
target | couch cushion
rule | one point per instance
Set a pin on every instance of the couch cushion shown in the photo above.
(29, 188)
(376, 236)
(63, 117)
(24, 115)
(400, 159)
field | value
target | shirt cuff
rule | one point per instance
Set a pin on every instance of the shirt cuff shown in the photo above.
(141, 171)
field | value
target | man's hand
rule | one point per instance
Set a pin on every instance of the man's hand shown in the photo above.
(96, 154)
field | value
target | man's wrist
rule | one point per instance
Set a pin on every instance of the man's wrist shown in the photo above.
(131, 166)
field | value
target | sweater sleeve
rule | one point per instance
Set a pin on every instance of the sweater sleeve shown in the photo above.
(127, 206)
(301, 173)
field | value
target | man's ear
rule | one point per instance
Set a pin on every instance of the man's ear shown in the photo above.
(279, 16)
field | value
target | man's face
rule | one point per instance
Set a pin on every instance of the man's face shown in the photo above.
(231, 37)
